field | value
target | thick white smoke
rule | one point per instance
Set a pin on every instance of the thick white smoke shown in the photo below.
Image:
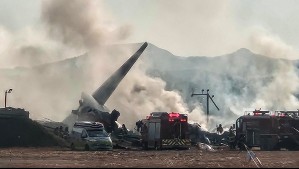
(67, 29)
(71, 28)
(275, 92)
(140, 95)
(263, 42)
(279, 95)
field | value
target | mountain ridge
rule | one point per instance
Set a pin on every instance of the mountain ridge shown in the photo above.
(236, 79)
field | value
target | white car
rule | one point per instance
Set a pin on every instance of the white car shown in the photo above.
(88, 135)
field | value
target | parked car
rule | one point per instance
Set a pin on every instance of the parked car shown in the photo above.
(87, 135)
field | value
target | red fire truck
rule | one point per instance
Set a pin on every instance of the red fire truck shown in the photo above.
(268, 130)
(162, 130)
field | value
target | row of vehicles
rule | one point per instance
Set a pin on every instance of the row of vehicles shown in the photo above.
(160, 130)
(267, 130)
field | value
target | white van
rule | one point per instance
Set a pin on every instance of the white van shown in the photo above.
(87, 135)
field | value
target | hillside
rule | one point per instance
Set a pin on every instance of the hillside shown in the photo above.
(26, 133)
(238, 80)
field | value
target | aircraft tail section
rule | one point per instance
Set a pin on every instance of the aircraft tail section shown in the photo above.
(102, 94)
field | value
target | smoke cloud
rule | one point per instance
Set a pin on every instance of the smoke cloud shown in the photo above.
(140, 95)
(71, 28)
(75, 23)
(279, 95)
(67, 29)
(265, 43)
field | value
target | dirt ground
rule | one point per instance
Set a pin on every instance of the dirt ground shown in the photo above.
(120, 158)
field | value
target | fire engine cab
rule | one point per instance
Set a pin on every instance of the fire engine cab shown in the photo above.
(162, 130)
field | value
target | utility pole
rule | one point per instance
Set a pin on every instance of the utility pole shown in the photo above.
(208, 99)
(6, 91)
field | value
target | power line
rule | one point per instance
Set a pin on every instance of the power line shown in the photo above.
(209, 97)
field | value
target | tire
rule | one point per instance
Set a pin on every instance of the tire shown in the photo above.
(269, 143)
(145, 145)
(268, 147)
(290, 145)
(86, 147)
(73, 147)
(263, 147)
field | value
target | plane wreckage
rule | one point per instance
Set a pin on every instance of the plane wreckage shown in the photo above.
(92, 108)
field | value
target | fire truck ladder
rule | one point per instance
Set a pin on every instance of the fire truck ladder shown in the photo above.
(252, 156)
(295, 129)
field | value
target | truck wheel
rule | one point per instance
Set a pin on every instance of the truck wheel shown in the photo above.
(145, 145)
(156, 145)
(72, 147)
(263, 147)
(268, 147)
(290, 145)
(86, 148)
(269, 142)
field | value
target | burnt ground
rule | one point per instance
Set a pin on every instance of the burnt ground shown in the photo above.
(120, 158)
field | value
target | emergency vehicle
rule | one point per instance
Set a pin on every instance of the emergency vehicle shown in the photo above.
(268, 130)
(162, 130)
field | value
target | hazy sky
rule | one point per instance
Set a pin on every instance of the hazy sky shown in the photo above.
(33, 32)
(193, 27)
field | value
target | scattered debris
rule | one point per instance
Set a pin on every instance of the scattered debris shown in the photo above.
(203, 146)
